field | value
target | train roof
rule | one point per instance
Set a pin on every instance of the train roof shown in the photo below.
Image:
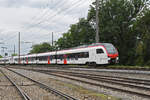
(82, 46)
(86, 46)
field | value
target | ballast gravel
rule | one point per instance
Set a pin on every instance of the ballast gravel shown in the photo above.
(53, 81)
(7, 90)
(66, 86)
(33, 91)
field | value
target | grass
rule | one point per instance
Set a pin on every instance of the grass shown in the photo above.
(1, 74)
(87, 92)
(129, 67)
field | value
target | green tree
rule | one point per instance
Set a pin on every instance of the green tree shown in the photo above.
(116, 21)
(14, 55)
(79, 34)
(142, 26)
(1, 56)
(40, 48)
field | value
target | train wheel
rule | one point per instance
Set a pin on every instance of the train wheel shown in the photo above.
(87, 63)
(93, 64)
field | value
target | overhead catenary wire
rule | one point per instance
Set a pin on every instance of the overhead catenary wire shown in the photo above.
(38, 14)
(56, 14)
(48, 24)
(59, 3)
(66, 10)
(45, 13)
(59, 12)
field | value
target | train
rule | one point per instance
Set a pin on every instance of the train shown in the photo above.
(93, 54)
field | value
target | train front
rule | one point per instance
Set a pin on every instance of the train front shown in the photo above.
(112, 53)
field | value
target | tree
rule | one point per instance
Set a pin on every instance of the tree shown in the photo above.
(79, 34)
(1, 56)
(14, 55)
(116, 22)
(142, 26)
(40, 48)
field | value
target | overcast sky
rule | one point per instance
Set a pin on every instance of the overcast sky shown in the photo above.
(36, 20)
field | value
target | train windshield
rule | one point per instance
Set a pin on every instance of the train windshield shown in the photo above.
(110, 48)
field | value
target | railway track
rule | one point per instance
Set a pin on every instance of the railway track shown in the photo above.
(45, 87)
(136, 85)
(110, 78)
(23, 94)
(89, 67)
(135, 71)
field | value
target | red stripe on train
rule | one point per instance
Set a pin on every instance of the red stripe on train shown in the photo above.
(113, 55)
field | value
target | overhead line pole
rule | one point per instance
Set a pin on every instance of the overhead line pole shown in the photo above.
(14, 49)
(19, 48)
(52, 38)
(97, 21)
(4, 53)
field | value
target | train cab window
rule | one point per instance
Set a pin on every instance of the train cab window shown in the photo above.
(86, 55)
(99, 51)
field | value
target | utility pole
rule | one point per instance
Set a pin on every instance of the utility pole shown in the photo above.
(97, 21)
(19, 48)
(52, 38)
(3, 49)
(14, 49)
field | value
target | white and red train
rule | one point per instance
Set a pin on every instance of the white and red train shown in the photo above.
(99, 53)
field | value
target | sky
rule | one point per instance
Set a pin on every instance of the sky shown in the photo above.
(36, 20)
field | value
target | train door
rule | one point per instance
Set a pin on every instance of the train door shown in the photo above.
(101, 56)
(65, 59)
(26, 60)
(92, 55)
(37, 60)
(49, 60)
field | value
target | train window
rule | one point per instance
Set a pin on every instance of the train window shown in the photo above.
(60, 57)
(99, 51)
(54, 57)
(86, 55)
(51, 58)
(43, 58)
(76, 57)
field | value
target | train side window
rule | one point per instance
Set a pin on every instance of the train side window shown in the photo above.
(86, 55)
(76, 56)
(99, 51)
(50, 57)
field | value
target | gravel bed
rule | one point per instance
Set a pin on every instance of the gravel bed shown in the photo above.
(115, 70)
(109, 73)
(125, 96)
(34, 91)
(66, 86)
(127, 75)
(108, 84)
(135, 76)
(7, 90)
